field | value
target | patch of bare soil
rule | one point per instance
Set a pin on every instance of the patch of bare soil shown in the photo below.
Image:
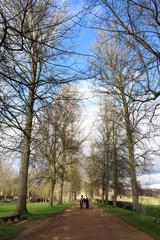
(81, 224)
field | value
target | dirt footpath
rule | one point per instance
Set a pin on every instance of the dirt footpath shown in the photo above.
(81, 224)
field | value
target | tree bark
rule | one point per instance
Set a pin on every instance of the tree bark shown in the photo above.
(132, 162)
(107, 191)
(133, 176)
(61, 190)
(115, 197)
(92, 193)
(103, 193)
(51, 199)
(115, 171)
(70, 192)
(75, 196)
(21, 207)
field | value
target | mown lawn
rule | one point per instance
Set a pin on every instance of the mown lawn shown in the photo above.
(39, 210)
(36, 211)
(6, 209)
(142, 199)
(148, 224)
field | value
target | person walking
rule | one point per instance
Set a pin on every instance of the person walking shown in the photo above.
(81, 201)
(87, 202)
(84, 201)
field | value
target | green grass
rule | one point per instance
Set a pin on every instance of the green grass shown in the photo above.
(151, 204)
(6, 209)
(9, 231)
(149, 200)
(154, 207)
(148, 224)
(36, 211)
(142, 199)
(40, 210)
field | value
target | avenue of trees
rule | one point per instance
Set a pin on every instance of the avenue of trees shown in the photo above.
(32, 70)
(39, 103)
(107, 164)
(126, 66)
(57, 144)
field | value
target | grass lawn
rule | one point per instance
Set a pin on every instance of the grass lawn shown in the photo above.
(148, 224)
(142, 199)
(9, 231)
(149, 200)
(36, 211)
(7, 209)
(40, 210)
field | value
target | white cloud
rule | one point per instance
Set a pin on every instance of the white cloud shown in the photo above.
(89, 112)
(150, 180)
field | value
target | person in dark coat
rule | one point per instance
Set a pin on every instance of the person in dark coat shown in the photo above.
(84, 201)
(81, 201)
(87, 202)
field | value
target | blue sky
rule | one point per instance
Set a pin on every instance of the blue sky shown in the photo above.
(83, 44)
(86, 36)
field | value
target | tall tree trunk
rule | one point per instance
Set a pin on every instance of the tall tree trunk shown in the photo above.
(106, 196)
(106, 191)
(106, 165)
(132, 168)
(23, 176)
(51, 198)
(70, 192)
(75, 196)
(115, 171)
(134, 182)
(132, 162)
(115, 197)
(21, 207)
(115, 182)
(61, 190)
(92, 193)
(103, 193)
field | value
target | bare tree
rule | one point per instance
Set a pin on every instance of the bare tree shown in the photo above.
(47, 147)
(75, 180)
(94, 183)
(116, 78)
(30, 77)
(69, 134)
(99, 166)
(136, 22)
(9, 13)
(8, 185)
(56, 142)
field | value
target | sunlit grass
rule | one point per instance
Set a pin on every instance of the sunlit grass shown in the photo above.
(36, 211)
(142, 199)
(7, 209)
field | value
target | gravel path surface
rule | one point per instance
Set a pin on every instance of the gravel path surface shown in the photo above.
(81, 224)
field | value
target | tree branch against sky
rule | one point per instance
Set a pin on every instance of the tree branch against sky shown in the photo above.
(102, 48)
(116, 78)
(32, 76)
(136, 22)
